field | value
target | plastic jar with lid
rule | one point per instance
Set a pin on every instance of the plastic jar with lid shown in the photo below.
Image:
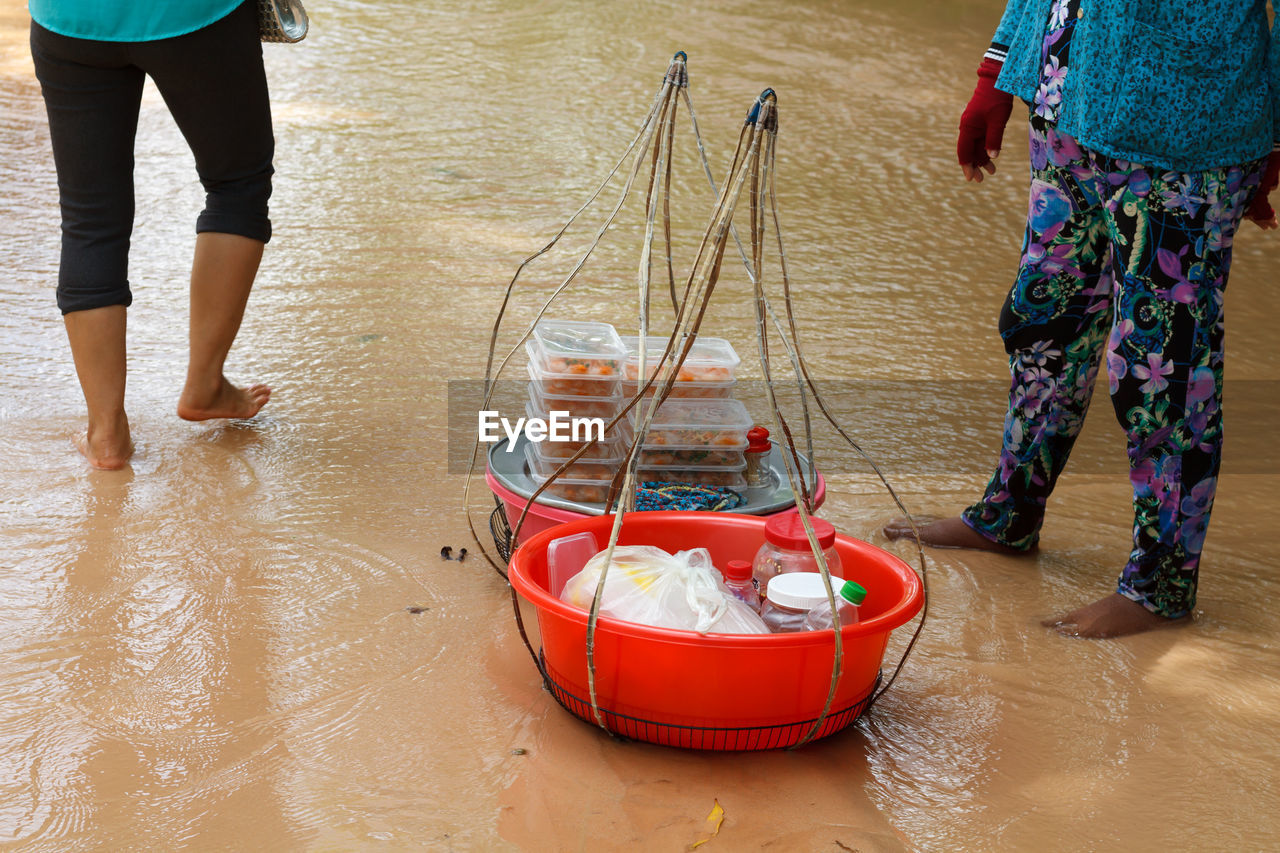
(786, 549)
(791, 597)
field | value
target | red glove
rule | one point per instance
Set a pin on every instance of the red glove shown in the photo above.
(982, 123)
(1260, 208)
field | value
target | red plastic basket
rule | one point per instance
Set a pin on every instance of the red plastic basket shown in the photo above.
(719, 691)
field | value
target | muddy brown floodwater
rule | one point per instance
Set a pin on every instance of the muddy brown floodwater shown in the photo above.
(214, 649)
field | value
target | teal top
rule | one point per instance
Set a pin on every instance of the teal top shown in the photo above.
(128, 20)
(1188, 86)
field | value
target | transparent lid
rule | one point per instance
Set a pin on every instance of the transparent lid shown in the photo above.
(801, 590)
(593, 369)
(563, 429)
(544, 398)
(728, 468)
(576, 339)
(700, 414)
(716, 477)
(717, 458)
(594, 470)
(726, 446)
(709, 359)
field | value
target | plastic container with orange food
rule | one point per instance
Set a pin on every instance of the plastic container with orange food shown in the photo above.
(700, 456)
(733, 478)
(571, 489)
(543, 467)
(710, 360)
(612, 447)
(576, 358)
(576, 405)
(698, 423)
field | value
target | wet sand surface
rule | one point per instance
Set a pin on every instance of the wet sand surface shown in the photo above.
(212, 649)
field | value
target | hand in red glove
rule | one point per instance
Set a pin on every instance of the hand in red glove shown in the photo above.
(1260, 210)
(982, 123)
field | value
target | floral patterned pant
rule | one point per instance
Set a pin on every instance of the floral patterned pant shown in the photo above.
(1129, 263)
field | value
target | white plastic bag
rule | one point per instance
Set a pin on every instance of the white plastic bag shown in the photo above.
(647, 585)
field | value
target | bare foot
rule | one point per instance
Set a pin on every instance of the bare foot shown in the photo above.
(1113, 616)
(109, 447)
(948, 533)
(225, 401)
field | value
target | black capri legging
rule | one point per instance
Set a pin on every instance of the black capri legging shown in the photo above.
(214, 85)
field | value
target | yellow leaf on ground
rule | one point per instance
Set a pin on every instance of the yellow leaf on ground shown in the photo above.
(713, 824)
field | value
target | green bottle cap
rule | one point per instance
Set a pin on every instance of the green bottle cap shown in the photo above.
(853, 593)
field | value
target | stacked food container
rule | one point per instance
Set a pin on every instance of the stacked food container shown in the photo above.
(585, 370)
(576, 368)
(699, 433)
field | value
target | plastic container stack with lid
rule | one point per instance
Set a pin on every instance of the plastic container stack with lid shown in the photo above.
(575, 368)
(586, 370)
(699, 433)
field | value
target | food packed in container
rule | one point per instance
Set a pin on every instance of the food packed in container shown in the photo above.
(733, 478)
(576, 405)
(697, 423)
(682, 390)
(582, 491)
(684, 457)
(576, 358)
(710, 361)
(582, 469)
(612, 447)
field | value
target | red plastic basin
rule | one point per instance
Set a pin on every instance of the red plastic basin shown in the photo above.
(719, 691)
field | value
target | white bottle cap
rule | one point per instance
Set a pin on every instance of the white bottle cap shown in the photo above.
(800, 590)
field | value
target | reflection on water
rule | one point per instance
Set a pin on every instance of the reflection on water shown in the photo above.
(215, 648)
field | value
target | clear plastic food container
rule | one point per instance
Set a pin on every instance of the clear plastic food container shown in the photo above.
(697, 457)
(613, 446)
(721, 476)
(583, 491)
(695, 423)
(683, 390)
(710, 360)
(579, 358)
(543, 467)
(577, 406)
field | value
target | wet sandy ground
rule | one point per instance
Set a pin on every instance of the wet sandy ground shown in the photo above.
(213, 651)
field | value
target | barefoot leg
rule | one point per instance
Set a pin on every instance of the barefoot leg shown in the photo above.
(948, 533)
(1113, 616)
(221, 278)
(97, 338)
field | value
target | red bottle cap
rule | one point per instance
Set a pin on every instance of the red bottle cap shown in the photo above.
(787, 531)
(759, 440)
(737, 570)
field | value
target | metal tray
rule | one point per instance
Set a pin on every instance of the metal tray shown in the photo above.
(511, 471)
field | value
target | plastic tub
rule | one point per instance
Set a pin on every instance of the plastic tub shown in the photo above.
(596, 406)
(541, 467)
(710, 360)
(713, 476)
(685, 423)
(612, 448)
(698, 457)
(683, 390)
(562, 379)
(721, 691)
(580, 358)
